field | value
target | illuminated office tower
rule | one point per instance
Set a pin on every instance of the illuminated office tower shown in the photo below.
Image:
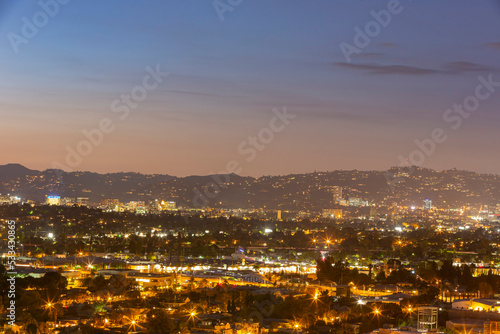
(336, 194)
(4, 199)
(168, 206)
(110, 203)
(82, 201)
(53, 200)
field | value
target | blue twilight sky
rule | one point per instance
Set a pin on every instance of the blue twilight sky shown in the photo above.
(226, 76)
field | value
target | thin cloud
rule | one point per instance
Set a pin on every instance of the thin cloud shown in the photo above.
(369, 55)
(388, 69)
(455, 67)
(198, 93)
(494, 45)
(387, 44)
(459, 67)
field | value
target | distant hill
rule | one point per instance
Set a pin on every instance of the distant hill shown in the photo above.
(309, 191)
(14, 171)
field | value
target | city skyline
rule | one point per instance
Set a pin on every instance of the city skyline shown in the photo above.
(358, 102)
(394, 168)
(451, 189)
(249, 167)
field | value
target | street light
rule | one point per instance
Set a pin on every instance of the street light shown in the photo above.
(51, 308)
(192, 315)
(328, 241)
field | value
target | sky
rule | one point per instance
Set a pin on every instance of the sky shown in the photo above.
(233, 66)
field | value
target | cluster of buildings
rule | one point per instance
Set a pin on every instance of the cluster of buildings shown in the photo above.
(464, 316)
(334, 203)
(66, 201)
(8, 199)
(109, 204)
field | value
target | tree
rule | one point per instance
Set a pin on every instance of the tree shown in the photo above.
(30, 299)
(54, 279)
(54, 311)
(428, 271)
(328, 270)
(485, 289)
(159, 321)
(32, 328)
(98, 283)
(381, 277)
(203, 283)
(429, 295)
(448, 272)
(400, 275)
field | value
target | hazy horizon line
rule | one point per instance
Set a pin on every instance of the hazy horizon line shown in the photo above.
(255, 177)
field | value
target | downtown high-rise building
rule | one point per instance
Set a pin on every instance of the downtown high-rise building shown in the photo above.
(337, 194)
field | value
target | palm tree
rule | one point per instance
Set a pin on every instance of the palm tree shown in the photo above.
(203, 283)
(190, 286)
(183, 328)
